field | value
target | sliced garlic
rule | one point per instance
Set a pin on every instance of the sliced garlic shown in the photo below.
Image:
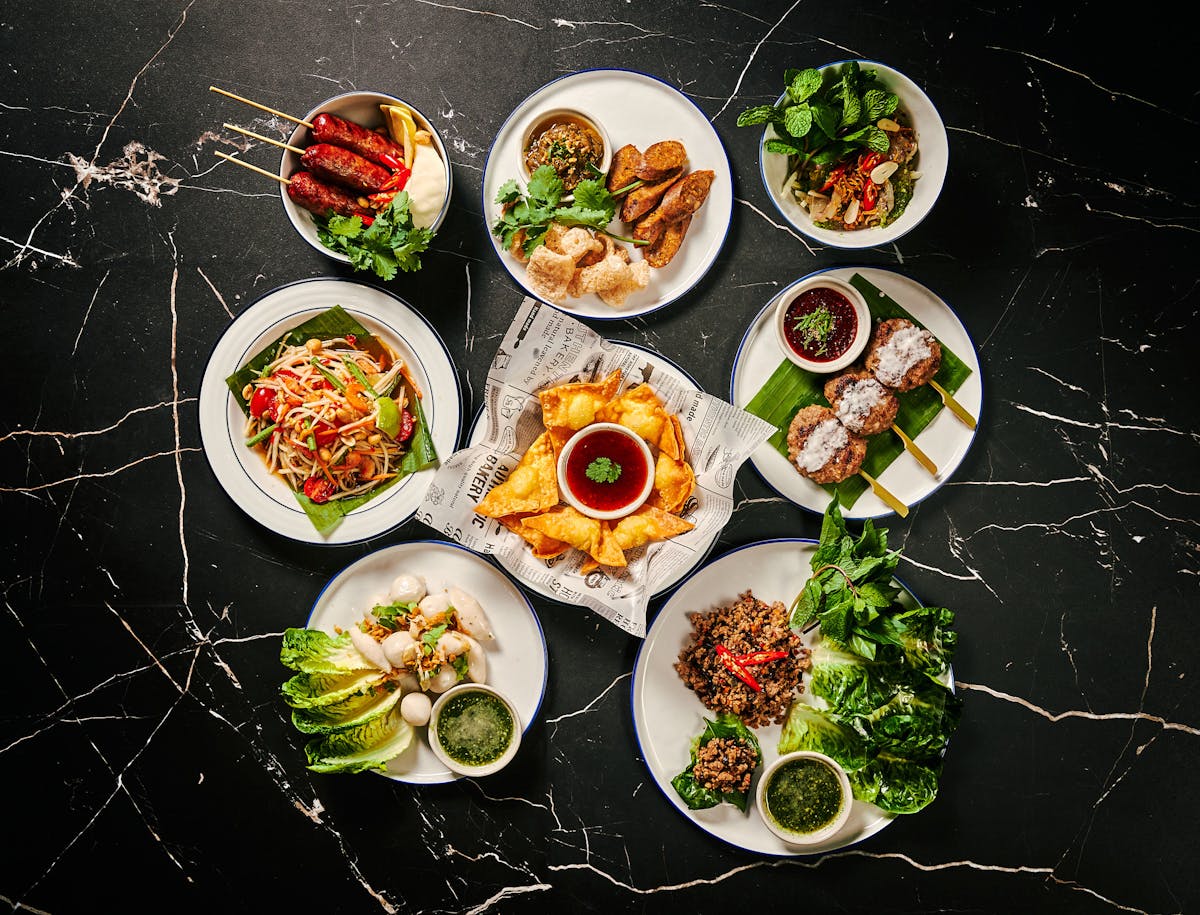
(851, 213)
(884, 170)
(888, 124)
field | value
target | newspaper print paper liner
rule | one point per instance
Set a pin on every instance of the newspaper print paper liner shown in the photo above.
(545, 347)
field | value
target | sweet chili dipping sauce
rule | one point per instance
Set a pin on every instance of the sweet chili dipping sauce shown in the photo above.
(820, 324)
(620, 450)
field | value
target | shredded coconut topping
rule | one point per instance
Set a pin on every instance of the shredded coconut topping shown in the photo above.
(825, 441)
(858, 399)
(905, 349)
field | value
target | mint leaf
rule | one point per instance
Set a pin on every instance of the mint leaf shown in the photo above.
(759, 114)
(827, 118)
(603, 470)
(851, 110)
(798, 120)
(804, 84)
(875, 102)
(782, 146)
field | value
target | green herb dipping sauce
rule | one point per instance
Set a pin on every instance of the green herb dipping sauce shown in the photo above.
(475, 728)
(804, 796)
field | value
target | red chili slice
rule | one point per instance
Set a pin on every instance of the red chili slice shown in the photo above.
(319, 489)
(730, 661)
(755, 658)
(407, 424)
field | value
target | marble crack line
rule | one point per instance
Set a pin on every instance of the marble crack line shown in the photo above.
(215, 291)
(505, 893)
(175, 420)
(1150, 222)
(98, 474)
(1058, 482)
(784, 228)
(33, 433)
(549, 808)
(492, 856)
(467, 9)
(87, 314)
(591, 705)
(567, 24)
(67, 195)
(1087, 78)
(1055, 717)
(1057, 526)
(1128, 427)
(27, 246)
(741, 76)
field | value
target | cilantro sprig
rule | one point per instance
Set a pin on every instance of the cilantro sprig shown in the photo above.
(541, 203)
(603, 470)
(825, 116)
(388, 244)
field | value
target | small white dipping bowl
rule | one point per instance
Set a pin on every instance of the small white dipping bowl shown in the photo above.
(363, 109)
(933, 154)
(804, 838)
(543, 117)
(862, 334)
(570, 498)
(449, 762)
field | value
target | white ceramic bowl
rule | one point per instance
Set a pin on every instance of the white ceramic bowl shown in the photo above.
(543, 116)
(807, 838)
(452, 764)
(565, 455)
(362, 108)
(862, 334)
(933, 152)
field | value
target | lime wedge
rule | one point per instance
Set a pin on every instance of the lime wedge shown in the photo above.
(389, 417)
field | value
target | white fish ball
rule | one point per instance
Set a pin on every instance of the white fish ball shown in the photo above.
(414, 708)
(408, 589)
(369, 648)
(443, 679)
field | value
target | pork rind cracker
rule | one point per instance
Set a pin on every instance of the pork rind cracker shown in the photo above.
(570, 526)
(531, 487)
(549, 273)
(638, 409)
(637, 277)
(573, 406)
(543, 546)
(577, 242)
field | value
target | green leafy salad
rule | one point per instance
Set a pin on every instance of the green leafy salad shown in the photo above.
(880, 668)
(390, 243)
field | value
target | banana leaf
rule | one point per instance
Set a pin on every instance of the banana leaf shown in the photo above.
(336, 322)
(790, 388)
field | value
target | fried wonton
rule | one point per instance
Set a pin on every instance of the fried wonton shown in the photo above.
(531, 487)
(671, 441)
(674, 481)
(559, 436)
(648, 524)
(593, 537)
(638, 409)
(573, 406)
(544, 547)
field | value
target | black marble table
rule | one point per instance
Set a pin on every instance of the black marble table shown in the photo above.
(148, 763)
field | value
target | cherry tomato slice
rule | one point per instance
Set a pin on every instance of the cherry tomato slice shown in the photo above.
(319, 489)
(262, 400)
(324, 433)
(407, 424)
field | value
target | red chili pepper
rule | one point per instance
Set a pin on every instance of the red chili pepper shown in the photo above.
(382, 199)
(755, 658)
(391, 161)
(319, 489)
(869, 161)
(367, 220)
(398, 179)
(731, 664)
(870, 195)
(833, 177)
(351, 339)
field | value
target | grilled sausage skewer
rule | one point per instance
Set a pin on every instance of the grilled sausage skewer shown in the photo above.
(314, 195)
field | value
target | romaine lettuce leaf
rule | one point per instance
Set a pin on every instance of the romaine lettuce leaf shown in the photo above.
(355, 709)
(364, 748)
(314, 651)
(309, 690)
(896, 785)
(807, 728)
(914, 723)
(850, 682)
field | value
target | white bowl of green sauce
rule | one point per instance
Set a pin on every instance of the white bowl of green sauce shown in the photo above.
(804, 797)
(474, 729)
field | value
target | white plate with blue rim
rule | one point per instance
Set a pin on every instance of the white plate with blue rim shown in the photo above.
(241, 471)
(633, 108)
(516, 660)
(655, 363)
(946, 440)
(667, 714)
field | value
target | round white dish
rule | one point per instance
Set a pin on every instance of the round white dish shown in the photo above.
(433, 735)
(661, 364)
(362, 108)
(241, 471)
(933, 156)
(667, 715)
(862, 314)
(516, 659)
(946, 440)
(639, 109)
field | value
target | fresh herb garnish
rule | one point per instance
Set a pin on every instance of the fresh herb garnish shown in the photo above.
(814, 327)
(388, 244)
(825, 116)
(430, 638)
(603, 470)
(392, 616)
(533, 211)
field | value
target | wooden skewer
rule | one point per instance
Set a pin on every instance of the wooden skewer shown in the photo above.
(258, 136)
(888, 499)
(911, 446)
(955, 407)
(254, 168)
(246, 101)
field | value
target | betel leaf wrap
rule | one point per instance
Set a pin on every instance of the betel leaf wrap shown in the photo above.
(790, 388)
(695, 795)
(329, 324)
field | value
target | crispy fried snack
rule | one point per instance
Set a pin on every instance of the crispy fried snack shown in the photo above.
(683, 198)
(593, 537)
(638, 409)
(574, 406)
(647, 524)
(549, 273)
(531, 487)
(623, 170)
(674, 481)
(544, 547)
(641, 200)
